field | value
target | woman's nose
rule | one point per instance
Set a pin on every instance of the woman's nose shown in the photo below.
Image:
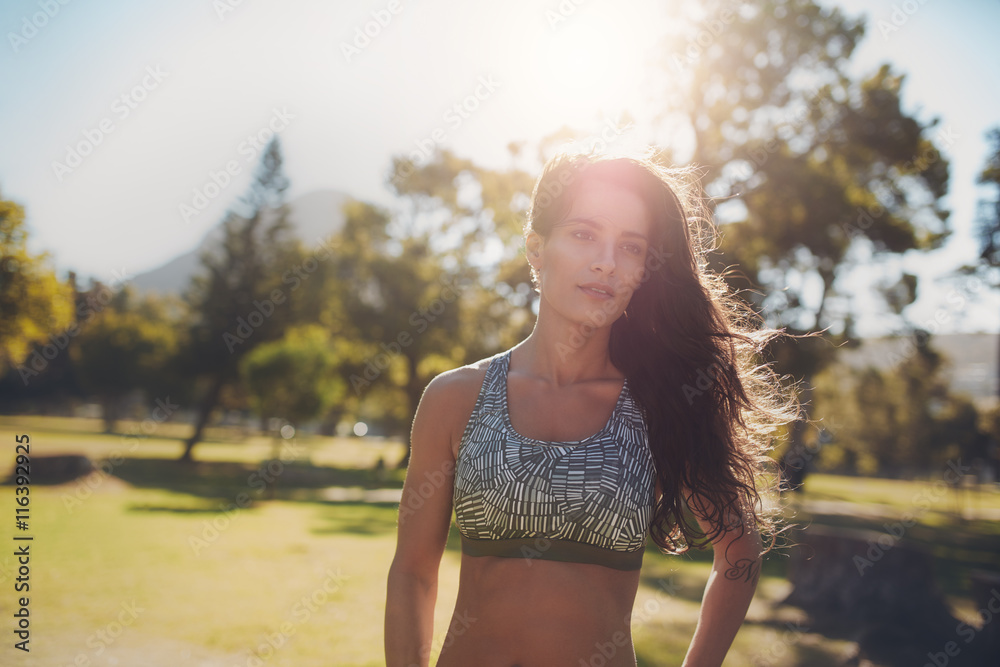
(604, 260)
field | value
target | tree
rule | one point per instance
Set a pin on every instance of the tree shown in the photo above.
(399, 305)
(124, 348)
(477, 207)
(294, 378)
(238, 302)
(434, 288)
(895, 421)
(812, 172)
(34, 304)
(989, 214)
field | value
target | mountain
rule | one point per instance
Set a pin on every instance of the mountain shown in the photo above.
(313, 216)
(971, 360)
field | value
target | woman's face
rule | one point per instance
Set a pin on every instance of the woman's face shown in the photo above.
(594, 258)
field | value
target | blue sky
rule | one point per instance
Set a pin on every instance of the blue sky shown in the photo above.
(171, 93)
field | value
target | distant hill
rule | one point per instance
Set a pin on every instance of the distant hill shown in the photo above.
(971, 365)
(313, 216)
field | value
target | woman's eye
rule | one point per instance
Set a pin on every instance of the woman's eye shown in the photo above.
(632, 249)
(583, 235)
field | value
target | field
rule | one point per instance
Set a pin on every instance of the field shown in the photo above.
(161, 564)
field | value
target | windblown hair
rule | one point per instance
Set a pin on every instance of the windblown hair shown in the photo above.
(690, 349)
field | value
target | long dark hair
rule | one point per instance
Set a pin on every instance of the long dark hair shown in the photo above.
(690, 350)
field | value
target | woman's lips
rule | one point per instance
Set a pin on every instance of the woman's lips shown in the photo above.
(598, 290)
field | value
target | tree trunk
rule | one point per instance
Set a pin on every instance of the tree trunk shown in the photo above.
(329, 424)
(204, 413)
(414, 389)
(109, 411)
(879, 590)
(794, 463)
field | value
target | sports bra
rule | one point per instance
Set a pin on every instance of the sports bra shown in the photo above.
(582, 501)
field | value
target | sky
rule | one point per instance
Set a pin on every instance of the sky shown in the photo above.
(127, 129)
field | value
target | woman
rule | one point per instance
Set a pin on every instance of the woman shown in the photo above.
(633, 399)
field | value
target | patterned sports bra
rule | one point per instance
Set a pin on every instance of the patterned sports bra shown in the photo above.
(585, 501)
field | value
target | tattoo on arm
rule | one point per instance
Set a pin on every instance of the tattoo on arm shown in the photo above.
(745, 569)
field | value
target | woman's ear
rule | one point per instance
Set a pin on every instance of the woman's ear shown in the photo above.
(533, 243)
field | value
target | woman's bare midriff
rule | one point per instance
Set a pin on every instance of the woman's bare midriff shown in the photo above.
(514, 612)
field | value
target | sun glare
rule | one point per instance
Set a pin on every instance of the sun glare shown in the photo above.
(579, 59)
(594, 61)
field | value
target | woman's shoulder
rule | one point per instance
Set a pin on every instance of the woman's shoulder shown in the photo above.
(449, 400)
(459, 387)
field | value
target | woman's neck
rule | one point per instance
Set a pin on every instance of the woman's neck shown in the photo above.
(564, 352)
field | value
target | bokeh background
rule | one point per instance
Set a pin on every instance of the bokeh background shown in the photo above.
(238, 238)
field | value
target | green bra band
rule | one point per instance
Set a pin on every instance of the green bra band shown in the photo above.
(543, 548)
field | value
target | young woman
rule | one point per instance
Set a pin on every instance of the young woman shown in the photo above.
(634, 399)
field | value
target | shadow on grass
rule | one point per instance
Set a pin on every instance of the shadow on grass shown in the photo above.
(367, 518)
(957, 546)
(792, 644)
(358, 518)
(173, 510)
(271, 480)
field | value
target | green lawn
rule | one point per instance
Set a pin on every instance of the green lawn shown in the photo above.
(135, 573)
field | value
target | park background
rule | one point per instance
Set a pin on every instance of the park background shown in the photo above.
(239, 238)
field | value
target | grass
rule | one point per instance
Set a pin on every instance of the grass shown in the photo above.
(210, 588)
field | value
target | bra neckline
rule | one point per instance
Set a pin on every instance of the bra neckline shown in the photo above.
(505, 409)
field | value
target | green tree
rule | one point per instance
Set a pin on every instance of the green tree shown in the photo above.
(400, 306)
(295, 378)
(989, 216)
(814, 172)
(122, 349)
(239, 301)
(894, 421)
(34, 303)
(433, 288)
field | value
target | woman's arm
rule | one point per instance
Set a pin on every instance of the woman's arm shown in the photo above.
(424, 521)
(735, 569)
